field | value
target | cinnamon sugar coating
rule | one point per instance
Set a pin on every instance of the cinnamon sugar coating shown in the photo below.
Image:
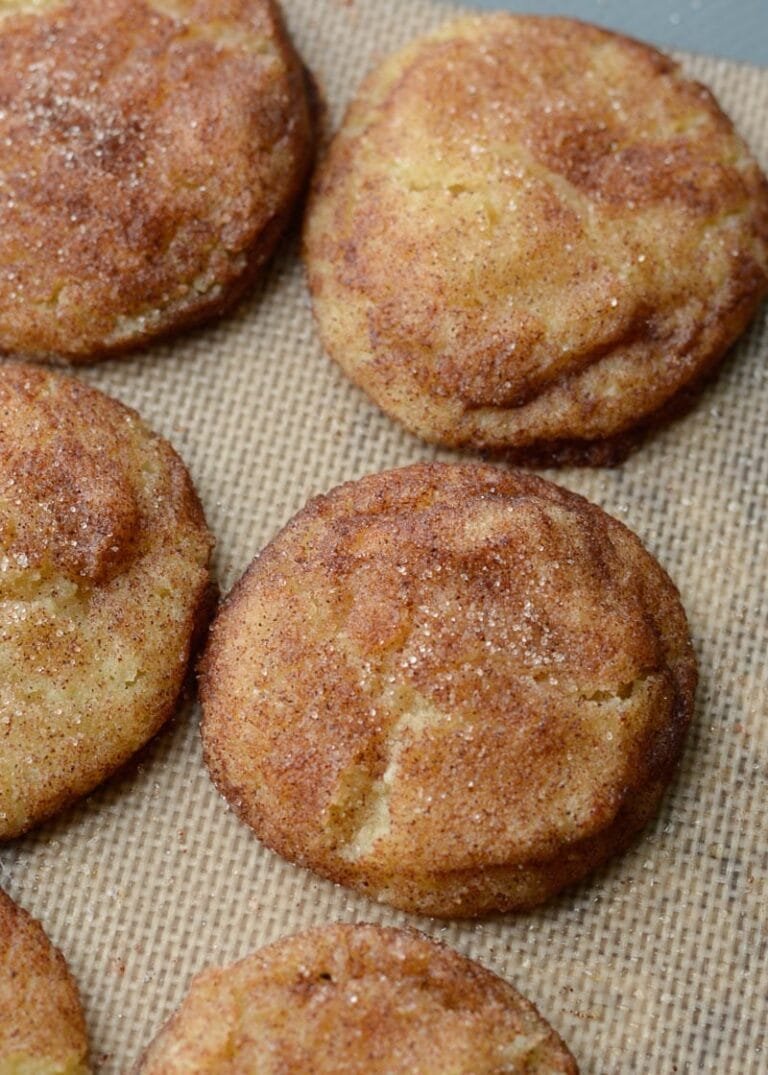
(454, 688)
(150, 152)
(363, 1000)
(42, 1030)
(104, 584)
(534, 236)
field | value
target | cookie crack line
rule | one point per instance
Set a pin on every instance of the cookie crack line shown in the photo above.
(371, 816)
(368, 817)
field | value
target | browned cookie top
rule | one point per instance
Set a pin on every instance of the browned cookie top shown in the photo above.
(42, 1030)
(455, 688)
(362, 1000)
(533, 234)
(149, 152)
(103, 582)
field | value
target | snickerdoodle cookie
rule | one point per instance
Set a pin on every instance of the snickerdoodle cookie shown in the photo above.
(452, 687)
(536, 236)
(150, 153)
(363, 1000)
(42, 1030)
(103, 585)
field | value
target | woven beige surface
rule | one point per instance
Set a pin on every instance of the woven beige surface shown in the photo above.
(658, 964)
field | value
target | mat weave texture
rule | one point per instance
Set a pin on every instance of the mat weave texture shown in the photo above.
(658, 964)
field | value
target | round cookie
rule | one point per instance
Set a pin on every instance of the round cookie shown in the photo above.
(104, 586)
(535, 236)
(42, 1029)
(358, 999)
(151, 151)
(452, 687)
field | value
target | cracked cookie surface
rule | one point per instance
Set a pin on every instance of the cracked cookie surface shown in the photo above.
(42, 1030)
(103, 584)
(533, 235)
(363, 1000)
(150, 152)
(453, 687)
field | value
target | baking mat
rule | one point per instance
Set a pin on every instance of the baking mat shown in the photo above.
(658, 963)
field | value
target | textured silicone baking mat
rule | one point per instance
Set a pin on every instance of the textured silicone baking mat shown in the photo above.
(656, 965)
